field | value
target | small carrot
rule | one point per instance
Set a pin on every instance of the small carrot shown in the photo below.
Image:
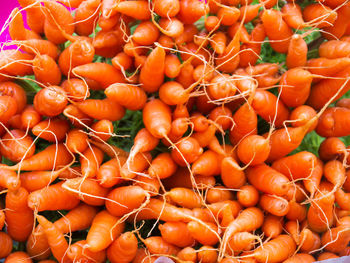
(104, 230)
(176, 233)
(300, 116)
(309, 240)
(162, 166)
(320, 214)
(333, 122)
(319, 15)
(299, 165)
(300, 257)
(268, 180)
(276, 250)
(35, 15)
(18, 256)
(204, 233)
(123, 249)
(15, 91)
(78, 53)
(248, 196)
(150, 78)
(136, 9)
(125, 199)
(248, 220)
(293, 16)
(103, 73)
(277, 30)
(52, 130)
(101, 109)
(59, 22)
(207, 254)
(43, 64)
(108, 174)
(86, 16)
(191, 11)
(17, 29)
(54, 197)
(231, 173)
(16, 146)
(277, 206)
(87, 190)
(272, 226)
(131, 97)
(79, 251)
(49, 158)
(30, 117)
(19, 217)
(6, 245)
(50, 101)
(187, 254)
(297, 52)
(56, 240)
(267, 105)
(187, 151)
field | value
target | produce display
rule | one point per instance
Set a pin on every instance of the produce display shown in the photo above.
(201, 131)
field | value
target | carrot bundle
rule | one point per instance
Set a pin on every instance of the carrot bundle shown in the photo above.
(204, 131)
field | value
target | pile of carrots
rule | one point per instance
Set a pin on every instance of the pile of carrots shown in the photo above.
(214, 173)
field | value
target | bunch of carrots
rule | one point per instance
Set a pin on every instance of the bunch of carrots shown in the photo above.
(215, 173)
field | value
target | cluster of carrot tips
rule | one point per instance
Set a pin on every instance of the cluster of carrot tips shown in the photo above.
(214, 170)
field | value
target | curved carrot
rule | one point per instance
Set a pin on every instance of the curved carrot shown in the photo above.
(86, 16)
(277, 30)
(108, 174)
(15, 63)
(176, 233)
(300, 257)
(253, 150)
(337, 30)
(248, 220)
(276, 250)
(17, 29)
(188, 254)
(104, 229)
(56, 240)
(43, 64)
(78, 53)
(16, 145)
(267, 105)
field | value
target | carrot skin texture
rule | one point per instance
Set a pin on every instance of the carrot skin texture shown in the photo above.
(123, 249)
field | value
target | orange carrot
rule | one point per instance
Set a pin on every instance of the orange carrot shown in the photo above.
(152, 73)
(58, 23)
(125, 199)
(101, 109)
(54, 197)
(50, 101)
(52, 130)
(6, 245)
(56, 240)
(104, 230)
(123, 249)
(79, 251)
